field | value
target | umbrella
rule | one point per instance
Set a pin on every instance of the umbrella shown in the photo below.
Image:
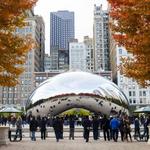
(143, 110)
(10, 110)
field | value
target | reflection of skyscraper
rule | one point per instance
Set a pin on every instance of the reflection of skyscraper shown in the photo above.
(61, 32)
(101, 39)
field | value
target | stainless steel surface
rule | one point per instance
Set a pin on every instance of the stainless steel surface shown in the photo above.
(73, 86)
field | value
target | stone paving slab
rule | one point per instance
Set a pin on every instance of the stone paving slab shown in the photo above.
(77, 144)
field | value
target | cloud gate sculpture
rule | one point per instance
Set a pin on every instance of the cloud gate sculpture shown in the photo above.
(76, 90)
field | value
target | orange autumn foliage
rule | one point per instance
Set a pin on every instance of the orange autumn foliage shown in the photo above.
(13, 47)
(131, 27)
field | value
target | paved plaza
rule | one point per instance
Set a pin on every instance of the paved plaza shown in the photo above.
(77, 144)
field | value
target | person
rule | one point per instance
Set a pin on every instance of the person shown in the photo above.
(114, 124)
(86, 125)
(136, 128)
(105, 128)
(33, 128)
(111, 133)
(121, 129)
(61, 120)
(18, 128)
(127, 129)
(95, 124)
(146, 130)
(57, 128)
(71, 127)
(43, 124)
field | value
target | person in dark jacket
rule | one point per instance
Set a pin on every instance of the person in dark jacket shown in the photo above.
(121, 129)
(106, 128)
(33, 128)
(146, 130)
(86, 125)
(95, 125)
(61, 127)
(136, 128)
(57, 128)
(43, 124)
(71, 127)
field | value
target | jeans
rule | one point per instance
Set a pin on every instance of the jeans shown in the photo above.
(95, 134)
(57, 134)
(18, 131)
(43, 134)
(71, 135)
(115, 134)
(86, 134)
(33, 138)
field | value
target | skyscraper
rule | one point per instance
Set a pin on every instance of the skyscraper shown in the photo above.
(40, 39)
(77, 56)
(101, 39)
(89, 53)
(61, 32)
(61, 29)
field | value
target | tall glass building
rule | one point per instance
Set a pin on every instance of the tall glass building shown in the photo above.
(61, 29)
(61, 33)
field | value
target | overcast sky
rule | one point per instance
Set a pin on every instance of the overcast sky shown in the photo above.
(83, 10)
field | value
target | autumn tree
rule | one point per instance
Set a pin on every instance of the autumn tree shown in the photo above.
(131, 27)
(13, 47)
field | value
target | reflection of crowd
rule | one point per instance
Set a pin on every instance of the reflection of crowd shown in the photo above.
(11, 120)
(110, 126)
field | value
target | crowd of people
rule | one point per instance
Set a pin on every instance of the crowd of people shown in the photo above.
(111, 127)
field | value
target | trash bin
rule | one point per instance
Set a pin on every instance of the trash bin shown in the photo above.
(4, 135)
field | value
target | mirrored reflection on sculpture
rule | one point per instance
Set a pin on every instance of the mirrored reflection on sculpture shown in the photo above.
(76, 90)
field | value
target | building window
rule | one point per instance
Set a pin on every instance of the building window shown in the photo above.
(144, 100)
(140, 93)
(134, 101)
(141, 101)
(134, 93)
(144, 93)
(22, 95)
(5, 88)
(4, 101)
(129, 86)
(10, 95)
(10, 89)
(130, 93)
(4, 95)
